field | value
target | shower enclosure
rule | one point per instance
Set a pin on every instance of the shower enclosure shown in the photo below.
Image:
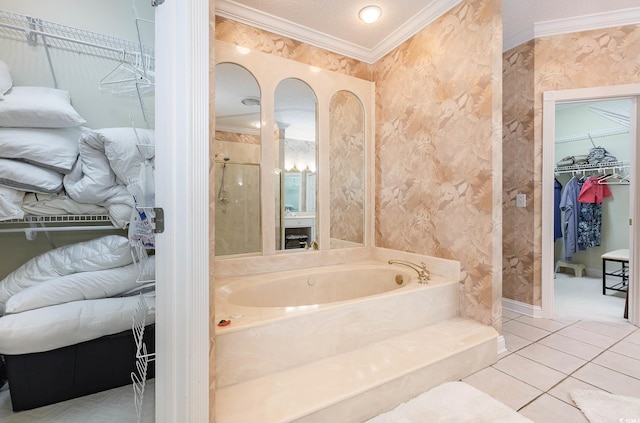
(237, 216)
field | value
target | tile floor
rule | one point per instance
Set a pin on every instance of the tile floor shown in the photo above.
(546, 359)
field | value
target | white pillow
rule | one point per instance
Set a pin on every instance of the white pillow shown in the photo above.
(53, 327)
(38, 107)
(53, 148)
(27, 177)
(5, 79)
(10, 204)
(106, 252)
(76, 287)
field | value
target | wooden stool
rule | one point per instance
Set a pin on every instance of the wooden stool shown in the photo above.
(578, 269)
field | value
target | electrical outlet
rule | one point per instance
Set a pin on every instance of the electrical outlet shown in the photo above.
(521, 200)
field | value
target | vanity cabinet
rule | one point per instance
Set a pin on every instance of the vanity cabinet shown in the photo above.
(298, 230)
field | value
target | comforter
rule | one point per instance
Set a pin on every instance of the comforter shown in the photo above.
(109, 168)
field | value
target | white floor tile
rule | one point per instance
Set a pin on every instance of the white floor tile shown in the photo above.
(546, 324)
(563, 389)
(627, 348)
(523, 330)
(548, 409)
(612, 331)
(634, 338)
(571, 346)
(514, 342)
(587, 337)
(528, 371)
(620, 363)
(504, 388)
(608, 380)
(550, 357)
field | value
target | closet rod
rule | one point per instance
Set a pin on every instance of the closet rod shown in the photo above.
(64, 37)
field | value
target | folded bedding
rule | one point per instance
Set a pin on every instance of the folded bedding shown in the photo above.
(11, 204)
(5, 79)
(53, 327)
(109, 164)
(97, 254)
(78, 286)
(55, 149)
(57, 204)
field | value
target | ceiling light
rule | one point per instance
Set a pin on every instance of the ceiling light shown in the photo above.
(370, 14)
(251, 101)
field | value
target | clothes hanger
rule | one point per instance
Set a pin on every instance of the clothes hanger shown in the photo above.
(126, 78)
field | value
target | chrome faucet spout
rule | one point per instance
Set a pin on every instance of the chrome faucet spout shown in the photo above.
(423, 274)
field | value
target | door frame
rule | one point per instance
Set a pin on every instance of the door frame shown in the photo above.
(550, 99)
(182, 190)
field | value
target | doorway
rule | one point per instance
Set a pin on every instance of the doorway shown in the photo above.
(569, 99)
(592, 156)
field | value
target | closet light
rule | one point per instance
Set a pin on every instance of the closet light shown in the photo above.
(370, 14)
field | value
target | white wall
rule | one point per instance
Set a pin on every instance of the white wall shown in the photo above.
(615, 209)
(76, 73)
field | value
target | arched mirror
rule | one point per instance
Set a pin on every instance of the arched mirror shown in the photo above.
(237, 161)
(296, 144)
(346, 171)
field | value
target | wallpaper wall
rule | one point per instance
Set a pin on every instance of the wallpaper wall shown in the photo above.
(518, 171)
(609, 56)
(438, 158)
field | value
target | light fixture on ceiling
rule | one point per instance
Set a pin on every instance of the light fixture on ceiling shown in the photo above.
(370, 14)
(250, 101)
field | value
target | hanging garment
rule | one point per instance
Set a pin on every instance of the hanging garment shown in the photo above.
(557, 215)
(590, 218)
(570, 206)
(589, 225)
(592, 191)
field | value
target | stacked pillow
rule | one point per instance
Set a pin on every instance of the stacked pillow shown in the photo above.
(39, 132)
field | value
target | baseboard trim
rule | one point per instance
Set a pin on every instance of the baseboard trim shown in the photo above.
(522, 308)
(502, 345)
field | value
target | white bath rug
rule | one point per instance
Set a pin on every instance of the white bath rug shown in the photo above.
(603, 407)
(452, 402)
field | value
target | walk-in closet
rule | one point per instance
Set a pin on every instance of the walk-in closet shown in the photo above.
(77, 210)
(593, 158)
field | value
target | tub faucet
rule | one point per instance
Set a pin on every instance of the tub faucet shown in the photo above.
(423, 273)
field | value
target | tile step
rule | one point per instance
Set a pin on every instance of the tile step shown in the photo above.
(359, 384)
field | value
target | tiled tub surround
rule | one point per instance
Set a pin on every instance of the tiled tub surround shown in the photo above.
(346, 360)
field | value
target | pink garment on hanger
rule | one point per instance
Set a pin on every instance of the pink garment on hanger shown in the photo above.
(593, 192)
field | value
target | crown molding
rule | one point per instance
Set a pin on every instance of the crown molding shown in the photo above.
(410, 28)
(587, 22)
(516, 39)
(256, 18)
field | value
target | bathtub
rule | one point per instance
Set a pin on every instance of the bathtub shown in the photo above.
(324, 285)
(284, 319)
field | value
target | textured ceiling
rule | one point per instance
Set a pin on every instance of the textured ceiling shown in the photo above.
(334, 24)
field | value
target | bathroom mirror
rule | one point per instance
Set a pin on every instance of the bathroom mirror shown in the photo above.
(346, 171)
(236, 153)
(296, 128)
